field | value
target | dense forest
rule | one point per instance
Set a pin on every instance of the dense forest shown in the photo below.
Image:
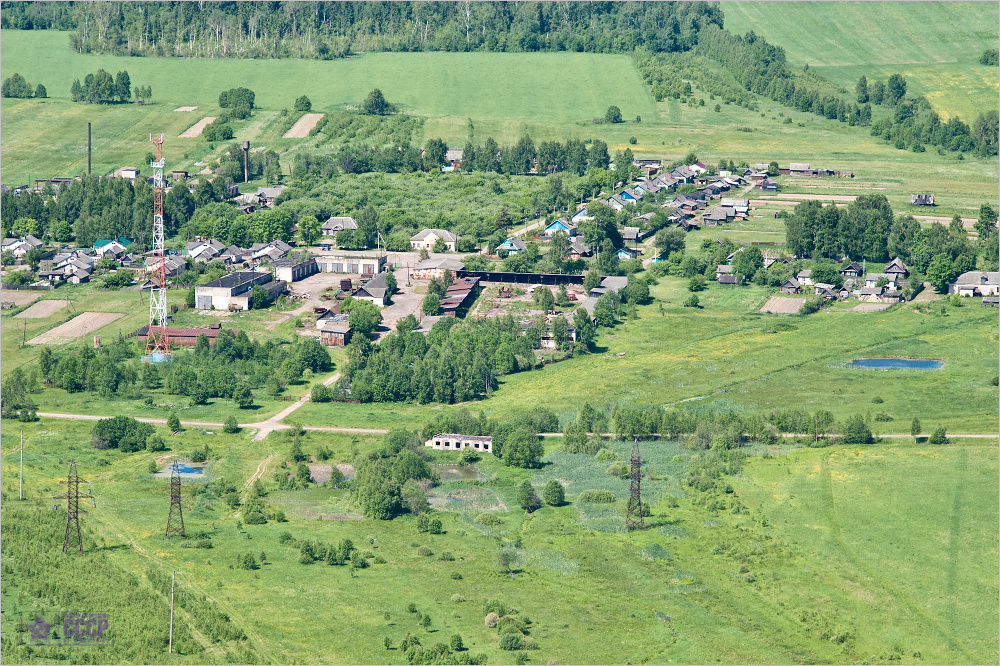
(335, 29)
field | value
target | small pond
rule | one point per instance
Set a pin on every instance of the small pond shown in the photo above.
(183, 467)
(897, 363)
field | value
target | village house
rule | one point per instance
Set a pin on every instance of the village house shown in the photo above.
(734, 280)
(922, 199)
(804, 278)
(580, 216)
(827, 291)
(898, 268)
(334, 329)
(428, 238)
(741, 207)
(577, 251)
(723, 269)
(453, 442)
(435, 268)
(204, 251)
(22, 246)
(566, 226)
(272, 251)
(333, 225)
(853, 269)
(512, 245)
(630, 234)
(791, 286)
(872, 279)
(234, 291)
(767, 185)
(374, 291)
(626, 253)
(976, 283)
(171, 265)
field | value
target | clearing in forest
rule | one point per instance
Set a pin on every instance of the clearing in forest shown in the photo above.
(85, 322)
(303, 125)
(782, 305)
(40, 310)
(195, 130)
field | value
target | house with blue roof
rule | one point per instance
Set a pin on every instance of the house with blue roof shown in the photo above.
(512, 245)
(560, 225)
(581, 216)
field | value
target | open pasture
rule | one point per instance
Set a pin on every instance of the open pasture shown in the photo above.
(935, 45)
(827, 535)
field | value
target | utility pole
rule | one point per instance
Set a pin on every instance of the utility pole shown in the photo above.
(635, 494)
(20, 480)
(170, 646)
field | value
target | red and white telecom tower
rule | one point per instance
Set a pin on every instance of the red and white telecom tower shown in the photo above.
(157, 337)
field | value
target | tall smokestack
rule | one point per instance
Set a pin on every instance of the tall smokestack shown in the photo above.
(246, 161)
(88, 149)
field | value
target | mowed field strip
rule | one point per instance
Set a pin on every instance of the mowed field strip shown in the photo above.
(302, 126)
(195, 130)
(186, 108)
(85, 322)
(41, 310)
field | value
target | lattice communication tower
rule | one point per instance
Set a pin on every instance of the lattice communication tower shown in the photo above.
(157, 336)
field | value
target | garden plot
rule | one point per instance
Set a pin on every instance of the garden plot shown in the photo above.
(41, 310)
(18, 297)
(195, 130)
(302, 126)
(871, 307)
(82, 324)
(782, 305)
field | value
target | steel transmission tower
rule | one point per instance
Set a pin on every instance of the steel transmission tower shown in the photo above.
(158, 339)
(633, 518)
(175, 521)
(74, 538)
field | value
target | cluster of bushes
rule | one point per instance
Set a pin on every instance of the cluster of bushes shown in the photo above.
(125, 434)
(342, 554)
(393, 478)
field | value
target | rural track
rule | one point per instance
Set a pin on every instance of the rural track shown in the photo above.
(260, 471)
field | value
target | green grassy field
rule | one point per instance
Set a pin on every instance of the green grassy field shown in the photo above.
(727, 353)
(936, 45)
(445, 90)
(823, 533)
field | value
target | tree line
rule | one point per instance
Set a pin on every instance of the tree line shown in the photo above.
(325, 30)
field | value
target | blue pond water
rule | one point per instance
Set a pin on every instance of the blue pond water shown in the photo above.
(184, 468)
(905, 363)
